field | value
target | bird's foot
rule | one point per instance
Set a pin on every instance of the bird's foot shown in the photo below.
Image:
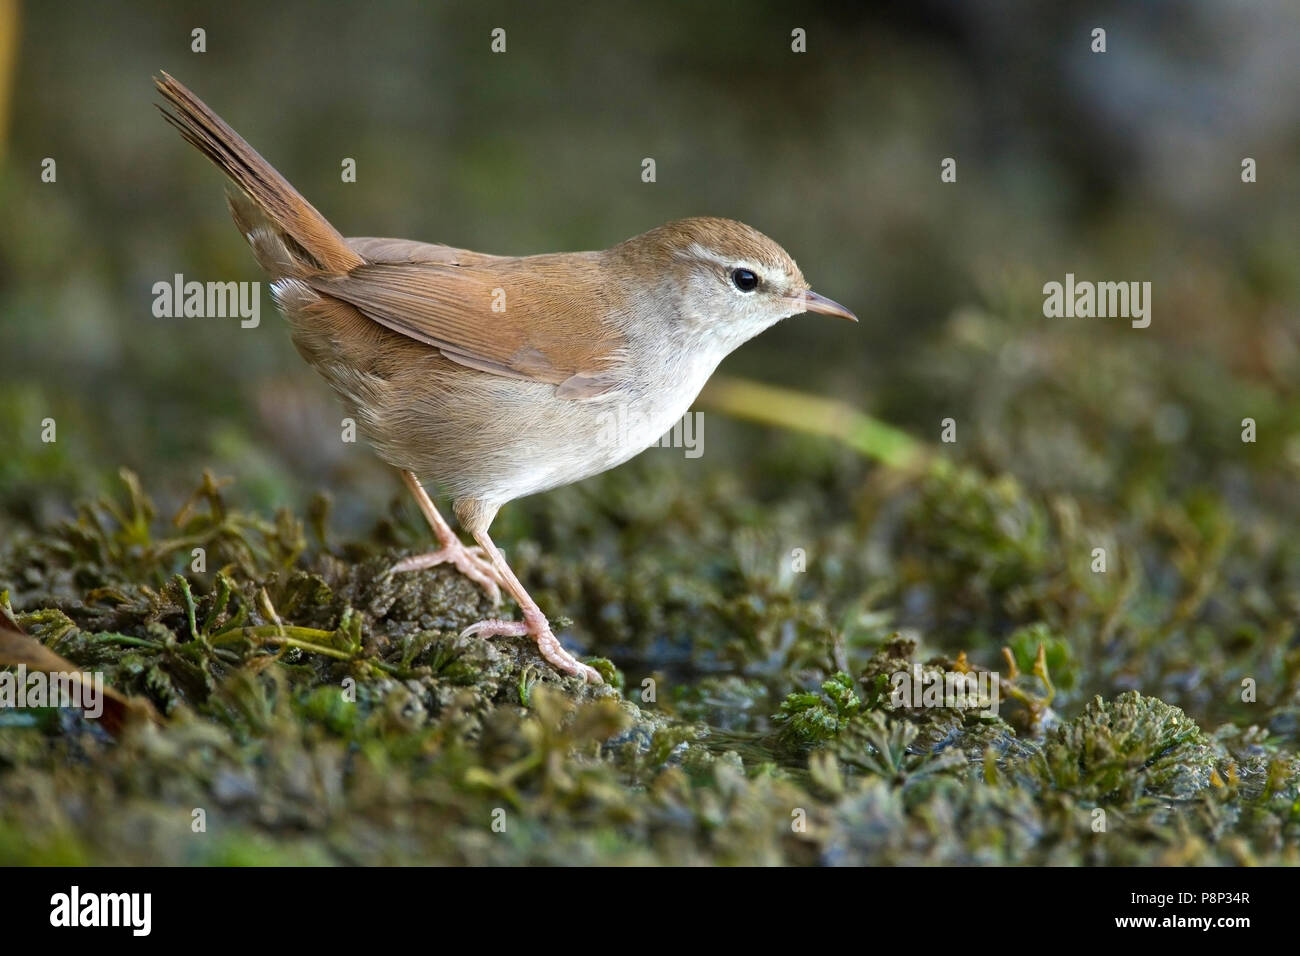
(548, 644)
(469, 560)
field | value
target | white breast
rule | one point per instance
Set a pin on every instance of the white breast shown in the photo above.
(610, 429)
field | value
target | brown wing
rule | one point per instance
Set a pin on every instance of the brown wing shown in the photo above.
(513, 317)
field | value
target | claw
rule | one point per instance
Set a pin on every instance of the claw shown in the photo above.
(469, 561)
(547, 644)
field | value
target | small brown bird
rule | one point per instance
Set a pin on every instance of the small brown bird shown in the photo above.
(502, 376)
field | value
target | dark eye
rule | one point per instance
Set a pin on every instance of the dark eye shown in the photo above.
(744, 280)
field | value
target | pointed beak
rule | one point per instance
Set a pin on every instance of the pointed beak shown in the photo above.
(812, 302)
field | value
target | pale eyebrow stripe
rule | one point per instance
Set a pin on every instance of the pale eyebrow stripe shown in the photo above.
(697, 251)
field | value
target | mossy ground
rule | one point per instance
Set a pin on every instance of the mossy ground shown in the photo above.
(320, 710)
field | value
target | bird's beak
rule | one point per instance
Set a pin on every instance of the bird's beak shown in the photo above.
(812, 302)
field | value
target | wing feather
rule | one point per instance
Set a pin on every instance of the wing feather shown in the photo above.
(526, 318)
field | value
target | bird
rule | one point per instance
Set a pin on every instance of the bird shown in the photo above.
(496, 377)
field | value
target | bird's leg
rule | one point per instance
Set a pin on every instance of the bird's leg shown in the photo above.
(534, 623)
(468, 559)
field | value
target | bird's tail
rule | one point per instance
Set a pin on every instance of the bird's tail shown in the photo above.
(290, 238)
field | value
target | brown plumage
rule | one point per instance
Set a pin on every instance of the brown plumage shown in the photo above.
(502, 376)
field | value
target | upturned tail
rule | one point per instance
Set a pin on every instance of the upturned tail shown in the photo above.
(289, 237)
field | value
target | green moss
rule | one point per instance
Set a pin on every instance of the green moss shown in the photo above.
(320, 710)
(807, 718)
(1124, 751)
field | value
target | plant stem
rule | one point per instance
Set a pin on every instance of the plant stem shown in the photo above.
(820, 416)
(275, 634)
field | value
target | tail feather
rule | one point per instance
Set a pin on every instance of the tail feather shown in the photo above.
(311, 244)
(270, 244)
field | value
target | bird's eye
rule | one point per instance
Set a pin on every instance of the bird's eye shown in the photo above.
(744, 280)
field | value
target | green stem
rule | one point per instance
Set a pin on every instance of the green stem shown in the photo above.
(820, 416)
(129, 641)
(274, 634)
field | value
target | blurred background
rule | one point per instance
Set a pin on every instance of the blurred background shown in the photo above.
(1122, 166)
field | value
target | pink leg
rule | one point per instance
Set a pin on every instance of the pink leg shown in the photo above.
(534, 623)
(468, 560)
